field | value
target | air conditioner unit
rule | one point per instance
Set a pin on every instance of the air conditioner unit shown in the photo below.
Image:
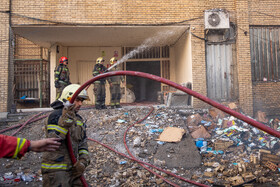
(216, 19)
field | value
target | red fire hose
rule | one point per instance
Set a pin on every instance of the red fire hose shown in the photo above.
(175, 85)
(184, 89)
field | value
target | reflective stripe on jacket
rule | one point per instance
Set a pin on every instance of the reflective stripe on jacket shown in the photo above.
(62, 74)
(58, 125)
(13, 147)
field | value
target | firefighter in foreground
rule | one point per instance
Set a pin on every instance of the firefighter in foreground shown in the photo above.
(57, 168)
(61, 76)
(14, 147)
(115, 88)
(99, 85)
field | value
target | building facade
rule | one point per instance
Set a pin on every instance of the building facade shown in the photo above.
(237, 64)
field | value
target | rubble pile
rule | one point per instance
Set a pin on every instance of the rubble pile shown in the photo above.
(206, 146)
(235, 153)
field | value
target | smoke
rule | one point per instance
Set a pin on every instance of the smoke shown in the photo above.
(159, 39)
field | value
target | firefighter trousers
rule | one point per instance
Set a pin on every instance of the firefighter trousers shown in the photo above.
(115, 91)
(60, 179)
(99, 93)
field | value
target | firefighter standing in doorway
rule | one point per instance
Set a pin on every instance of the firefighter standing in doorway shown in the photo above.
(57, 168)
(61, 76)
(115, 88)
(99, 85)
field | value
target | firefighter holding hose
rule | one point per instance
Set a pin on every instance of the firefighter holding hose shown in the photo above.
(99, 85)
(115, 88)
(57, 168)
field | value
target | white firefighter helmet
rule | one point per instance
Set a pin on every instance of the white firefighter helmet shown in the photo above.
(69, 91)
(113, 60)
(99, 60)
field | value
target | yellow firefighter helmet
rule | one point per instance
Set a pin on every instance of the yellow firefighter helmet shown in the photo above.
(69, 91)
(113, 60)
(99, 60)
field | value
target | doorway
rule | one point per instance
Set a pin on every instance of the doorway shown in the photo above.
(144, 89)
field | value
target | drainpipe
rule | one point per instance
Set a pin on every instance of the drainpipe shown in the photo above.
(10, 96)
(41, 78)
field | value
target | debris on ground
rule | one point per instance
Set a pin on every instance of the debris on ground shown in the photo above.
(212, 148)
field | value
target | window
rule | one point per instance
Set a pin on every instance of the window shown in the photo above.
(265, 53)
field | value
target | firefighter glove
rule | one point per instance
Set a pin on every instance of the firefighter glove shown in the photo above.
(68, 115)
(78, 169)
(69, 109)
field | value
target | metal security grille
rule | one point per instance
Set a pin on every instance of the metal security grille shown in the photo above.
(265, 55)
(31, 80)
(162, 53)
(165, 73)
(31, 73)
(142, 53)
(165, 52)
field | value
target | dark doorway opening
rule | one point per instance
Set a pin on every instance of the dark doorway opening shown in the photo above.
(144, 89)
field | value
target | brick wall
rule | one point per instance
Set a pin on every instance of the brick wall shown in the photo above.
(267, 97)
(265, 94)
(242, 13)
(243, 57)
(4, 55)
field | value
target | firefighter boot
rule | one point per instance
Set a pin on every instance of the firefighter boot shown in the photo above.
(98, 107)
(118, 106)
(103, 107)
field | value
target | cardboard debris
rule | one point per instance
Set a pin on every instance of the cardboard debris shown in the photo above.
(261, 117)
(171, 134)
(216, 113)
(200, 133)
(193, 128)
(232, 106)
(253, 159)
(194, 120)
(235, 180)
(264, 157)
(208, 174)
(248, 176)
(225, 124)
(222, 145)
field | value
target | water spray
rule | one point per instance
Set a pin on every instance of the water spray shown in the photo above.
(160, 38)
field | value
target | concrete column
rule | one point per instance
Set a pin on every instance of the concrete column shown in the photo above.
(53, 57)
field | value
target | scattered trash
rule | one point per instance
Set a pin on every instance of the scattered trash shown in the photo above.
(160, 142)
(200, 142)
(27, 177)
(121, 121)
(137, 142)
(156, 130)
(123, 162)
(8, 176)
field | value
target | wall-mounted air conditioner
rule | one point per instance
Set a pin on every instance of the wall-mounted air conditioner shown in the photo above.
(216, 19)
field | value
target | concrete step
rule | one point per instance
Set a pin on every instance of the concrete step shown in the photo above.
(16, 115)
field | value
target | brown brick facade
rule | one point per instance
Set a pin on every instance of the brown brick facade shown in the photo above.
(242, 12)
(4, 55)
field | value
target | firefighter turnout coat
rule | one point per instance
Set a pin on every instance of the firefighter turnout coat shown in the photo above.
(58, 125)
(13, 147)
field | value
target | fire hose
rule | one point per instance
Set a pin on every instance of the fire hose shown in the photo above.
(159, 79)
(31, 120)
(184, 89)
(179, 87)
